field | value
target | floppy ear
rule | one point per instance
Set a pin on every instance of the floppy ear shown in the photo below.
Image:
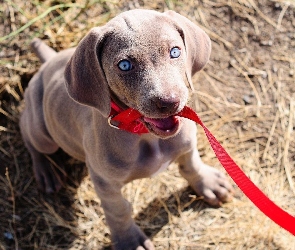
(197, 42)
(84, 76)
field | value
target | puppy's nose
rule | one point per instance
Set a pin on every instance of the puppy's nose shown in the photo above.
(167, 105)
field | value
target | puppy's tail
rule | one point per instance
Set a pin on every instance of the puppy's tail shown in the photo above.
(43, 51)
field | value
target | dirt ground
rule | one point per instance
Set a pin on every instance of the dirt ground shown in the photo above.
(245, 95)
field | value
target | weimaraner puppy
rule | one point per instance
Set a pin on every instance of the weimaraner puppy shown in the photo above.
(140, 59)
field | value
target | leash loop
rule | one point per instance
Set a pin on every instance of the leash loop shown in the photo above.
(110, 123)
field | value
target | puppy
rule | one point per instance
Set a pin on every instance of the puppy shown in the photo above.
(140, 59)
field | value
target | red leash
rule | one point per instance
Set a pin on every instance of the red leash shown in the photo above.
(130, 120)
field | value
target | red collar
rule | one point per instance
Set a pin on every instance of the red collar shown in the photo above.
(128, 119)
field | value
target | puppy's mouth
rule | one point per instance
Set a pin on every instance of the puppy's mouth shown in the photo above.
(163, 127)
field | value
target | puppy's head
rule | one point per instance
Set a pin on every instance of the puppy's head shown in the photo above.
(142, 59)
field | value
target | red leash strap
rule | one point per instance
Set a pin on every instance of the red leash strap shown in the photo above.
(268, 207)
(130, 120)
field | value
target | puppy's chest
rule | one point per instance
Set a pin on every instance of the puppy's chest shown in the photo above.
(155, 156)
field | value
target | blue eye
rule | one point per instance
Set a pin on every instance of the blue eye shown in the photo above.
(125, 65)
(175, 52)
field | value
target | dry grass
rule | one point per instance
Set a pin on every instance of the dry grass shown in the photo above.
(245, 96)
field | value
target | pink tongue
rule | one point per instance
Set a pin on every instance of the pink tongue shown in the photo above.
(164, 123)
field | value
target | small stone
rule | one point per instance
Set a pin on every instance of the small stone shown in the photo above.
(247, 99)
(8, 235)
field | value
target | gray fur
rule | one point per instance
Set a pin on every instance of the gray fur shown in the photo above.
(68, 101)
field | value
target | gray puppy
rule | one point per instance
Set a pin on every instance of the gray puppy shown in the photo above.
(140, 59)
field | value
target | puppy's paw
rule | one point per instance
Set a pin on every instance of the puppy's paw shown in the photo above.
(132, 239)
(213, 185)
(50, 178)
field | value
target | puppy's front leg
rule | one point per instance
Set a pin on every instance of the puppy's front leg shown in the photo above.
(125, 234)
(206, 181)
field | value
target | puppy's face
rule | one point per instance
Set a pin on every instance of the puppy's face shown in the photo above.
(144, 65)
(143, 60)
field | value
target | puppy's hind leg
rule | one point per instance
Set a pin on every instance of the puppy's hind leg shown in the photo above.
(48, 177)
(40, 146)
